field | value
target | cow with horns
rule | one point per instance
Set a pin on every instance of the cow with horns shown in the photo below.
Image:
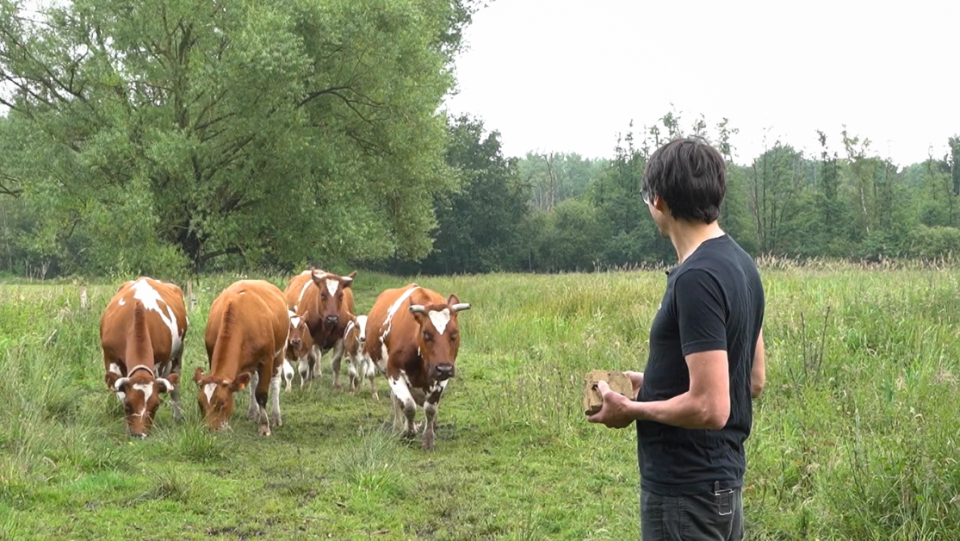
(413, 334)
(141, 335)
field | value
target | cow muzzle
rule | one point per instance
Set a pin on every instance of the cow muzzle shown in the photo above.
(295, 343)
(443, 371)
(332, 320)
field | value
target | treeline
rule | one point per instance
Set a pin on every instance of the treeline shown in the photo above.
(149, 137)
(561, 212)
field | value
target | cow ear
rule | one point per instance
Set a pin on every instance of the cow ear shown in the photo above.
(110, 379)
(347, 281)
(452, 299)
(173, 378)
(241, 382)
(198, 375)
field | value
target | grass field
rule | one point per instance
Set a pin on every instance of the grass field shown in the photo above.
(856, 436)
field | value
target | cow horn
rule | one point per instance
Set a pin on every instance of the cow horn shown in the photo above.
(166, 384)
(418, 308)
(347, 279)
(460, 306)
(120, 383)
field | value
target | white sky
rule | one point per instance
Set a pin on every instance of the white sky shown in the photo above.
(567, 75)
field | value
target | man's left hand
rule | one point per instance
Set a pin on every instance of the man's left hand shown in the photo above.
(616, 411)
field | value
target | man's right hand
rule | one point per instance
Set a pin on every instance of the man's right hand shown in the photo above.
(636, 378)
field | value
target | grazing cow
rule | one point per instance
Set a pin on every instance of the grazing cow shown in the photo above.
(246, 335)
(414, 335)
(141, 335)
(359, 365)
(299, 345)
(326, 301)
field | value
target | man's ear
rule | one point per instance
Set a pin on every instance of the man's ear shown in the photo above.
(241, 382)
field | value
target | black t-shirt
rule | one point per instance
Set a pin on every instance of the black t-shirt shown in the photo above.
(714, 300)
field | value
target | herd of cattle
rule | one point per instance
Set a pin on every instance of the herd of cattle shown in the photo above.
(256, 334)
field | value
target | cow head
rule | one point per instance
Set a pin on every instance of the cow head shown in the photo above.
(297, 341)
(215, 397)
(331, 288)
(438, 338)
(140, 392)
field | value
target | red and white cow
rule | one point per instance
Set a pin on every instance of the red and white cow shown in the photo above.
(246, 336)
(414, 335)
(359, 365)
(325, 300)
(299, 345)
(141, 335)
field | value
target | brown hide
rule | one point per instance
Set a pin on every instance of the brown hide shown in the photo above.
(300, 341)
(308, 293)
(246, 331)
(140, 357)
(413, 341)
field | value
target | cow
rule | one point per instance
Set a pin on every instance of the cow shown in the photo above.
(359, 365)
(246, 335)
(413, 334)
(325, 300)
(299, 344)
(141, 334)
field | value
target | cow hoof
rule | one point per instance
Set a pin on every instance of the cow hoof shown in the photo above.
(264, 430)
(276, 420)
(428, 443)
(376, 397)
(338, 387)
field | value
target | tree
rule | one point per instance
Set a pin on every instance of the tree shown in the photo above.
(272, 132)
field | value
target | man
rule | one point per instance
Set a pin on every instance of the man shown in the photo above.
(694, 400)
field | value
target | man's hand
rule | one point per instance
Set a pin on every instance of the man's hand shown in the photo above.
(617, 410)
(636, 378)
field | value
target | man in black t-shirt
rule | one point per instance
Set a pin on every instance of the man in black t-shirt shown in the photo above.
(694, 400)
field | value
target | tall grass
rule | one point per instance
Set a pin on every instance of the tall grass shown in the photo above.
(855, 437)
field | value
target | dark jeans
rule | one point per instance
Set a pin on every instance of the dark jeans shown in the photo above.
(701, 516)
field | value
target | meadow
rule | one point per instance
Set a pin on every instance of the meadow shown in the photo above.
(855, 437)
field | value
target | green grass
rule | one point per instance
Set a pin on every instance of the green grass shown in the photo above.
(856, 437)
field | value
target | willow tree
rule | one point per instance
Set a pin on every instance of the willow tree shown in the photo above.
(184, 130)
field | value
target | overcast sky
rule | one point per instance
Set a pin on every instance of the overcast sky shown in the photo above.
(567, 75)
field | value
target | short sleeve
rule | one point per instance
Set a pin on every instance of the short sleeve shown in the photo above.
(701, 312)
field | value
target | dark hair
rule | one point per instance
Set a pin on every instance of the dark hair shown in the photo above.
(690, 175)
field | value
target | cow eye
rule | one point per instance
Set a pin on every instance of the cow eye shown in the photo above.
(453, 336)
(426, 335)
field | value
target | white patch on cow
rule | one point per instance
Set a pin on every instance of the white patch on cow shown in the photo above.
(440, 319)
(121, 396)
(295, 321)
(304, 290)
(121, 302)
(151, 299)
(147, 390)
(114, 368)
(393, 309)
(208, 390)
(383, 354)
(332, 286)
(401, 388)
(362, 324)
(349, 328)
(438, 386)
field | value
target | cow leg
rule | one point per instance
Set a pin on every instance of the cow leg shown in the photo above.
(262, 391)
(175, 393)
(369, 371)
(403, 400)
(287, 374)
(352, 372)
(335, 364)
(253, 410)
(275, 417)
(303, 369)
(313, 359)
(430, 406)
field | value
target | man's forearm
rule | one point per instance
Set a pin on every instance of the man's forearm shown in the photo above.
(685, 410)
